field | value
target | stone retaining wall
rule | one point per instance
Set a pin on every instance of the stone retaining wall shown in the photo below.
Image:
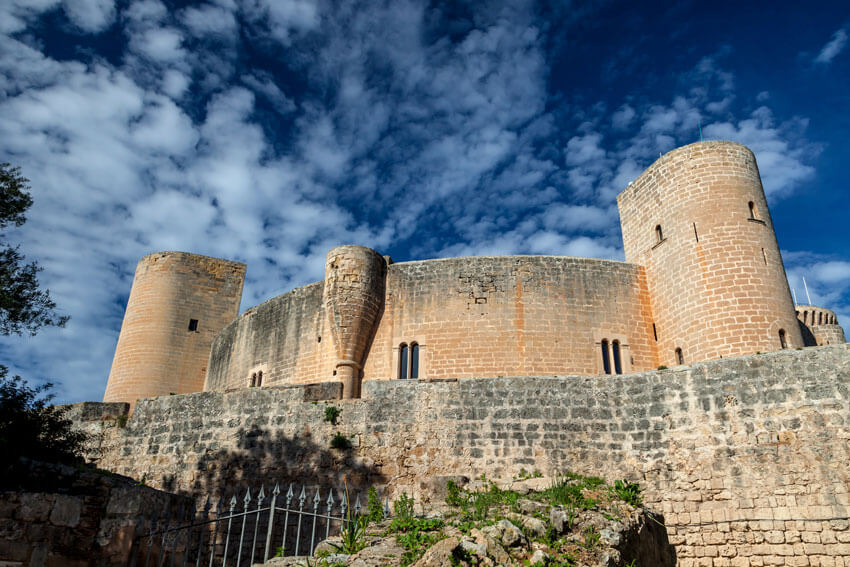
(746, 458)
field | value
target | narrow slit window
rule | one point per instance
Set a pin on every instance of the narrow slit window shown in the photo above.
(259, 378)
(782, 341)
(402, 362)
(654, 332)
(764, 255)
(805, 317)
(752, 207)
(414, 361)
(696, 236)
(606, 361)
(193, 325)
(659, 235)
(820, 318)
(615, 350)
(680, 358)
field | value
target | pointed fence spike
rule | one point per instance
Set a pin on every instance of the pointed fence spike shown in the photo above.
(247, 498)
(276, 490)
(233, 502)
(262, 495)
(317, 498)
(386, 506)
(289, 494)
(330, 497)
(357, 506)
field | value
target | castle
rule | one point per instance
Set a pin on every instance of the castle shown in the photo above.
(703, 280)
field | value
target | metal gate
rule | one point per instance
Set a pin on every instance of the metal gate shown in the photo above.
(237, 535)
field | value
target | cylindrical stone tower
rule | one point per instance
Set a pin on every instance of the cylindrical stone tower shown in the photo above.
(355, 280)
(178, 303)
(697, 220)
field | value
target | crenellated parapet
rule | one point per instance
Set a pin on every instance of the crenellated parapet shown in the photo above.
(819, 326)
(355, 281)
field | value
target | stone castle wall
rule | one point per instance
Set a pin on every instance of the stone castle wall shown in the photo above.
(746, 457)
(158, 351)
(485, 316)
(697, 220)
(819, 326)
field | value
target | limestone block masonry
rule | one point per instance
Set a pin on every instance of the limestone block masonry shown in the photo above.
(697, 220)
(746, 457)
(178, 303)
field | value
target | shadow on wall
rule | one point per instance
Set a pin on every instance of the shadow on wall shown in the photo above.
(264, 457)
(808, 338)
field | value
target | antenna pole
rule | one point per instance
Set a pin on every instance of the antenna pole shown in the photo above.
(699, 124)
(807, 292)
(794, 291)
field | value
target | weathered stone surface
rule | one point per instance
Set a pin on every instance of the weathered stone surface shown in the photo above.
(729, 451)
(505, 533)
(440, 554)
(63, 516)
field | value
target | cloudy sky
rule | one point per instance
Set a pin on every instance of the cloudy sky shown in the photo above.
(268, 131)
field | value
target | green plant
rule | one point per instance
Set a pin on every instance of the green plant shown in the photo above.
(332, 414)
(374, 509)
(403, 511)
(340, 442)
(591, 537)
(566, 492)
(353, 533)
(662, 367)
(454, 497)
(628, 492)
(121, 421)
(143, 480)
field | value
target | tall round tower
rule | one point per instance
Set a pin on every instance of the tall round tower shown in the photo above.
(178, 303)
(697, 220)
(355, 280)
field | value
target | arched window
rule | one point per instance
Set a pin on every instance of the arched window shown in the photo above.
(402, 361)
(615, 349)
(606, 362)
(257, 379)
(820, 318)
(782, 342)
(680, 358)
(414, 361)
(752, 207)
(659, 236)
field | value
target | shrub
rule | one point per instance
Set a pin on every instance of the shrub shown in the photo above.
(30, 427)
(331, 414)
(374, 509)
(340, 442)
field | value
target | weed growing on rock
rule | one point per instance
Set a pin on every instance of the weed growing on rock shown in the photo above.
(332, 414)
(628, 492)
(340, 442)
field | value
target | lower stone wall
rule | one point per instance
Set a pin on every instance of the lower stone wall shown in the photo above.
(746, 458)
(62, 516)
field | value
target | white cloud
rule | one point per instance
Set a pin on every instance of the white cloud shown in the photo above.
(623, 117)
(90, 15)
(832, 48)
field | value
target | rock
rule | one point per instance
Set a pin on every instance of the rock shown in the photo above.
(535, 527)
(469, 546)
(611, 536)
(440, 554)
(560, 520)
(531, 506)
(531, 485)
(505, 533)
(494, 550)
(538, 557)
(384, 551)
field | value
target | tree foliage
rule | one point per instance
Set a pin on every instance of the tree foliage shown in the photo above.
(31, 427)
(24, 307)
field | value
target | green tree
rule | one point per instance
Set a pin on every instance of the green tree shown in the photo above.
(24, 307)
(29, 425)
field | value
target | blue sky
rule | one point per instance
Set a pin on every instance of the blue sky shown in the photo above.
(270, 131)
